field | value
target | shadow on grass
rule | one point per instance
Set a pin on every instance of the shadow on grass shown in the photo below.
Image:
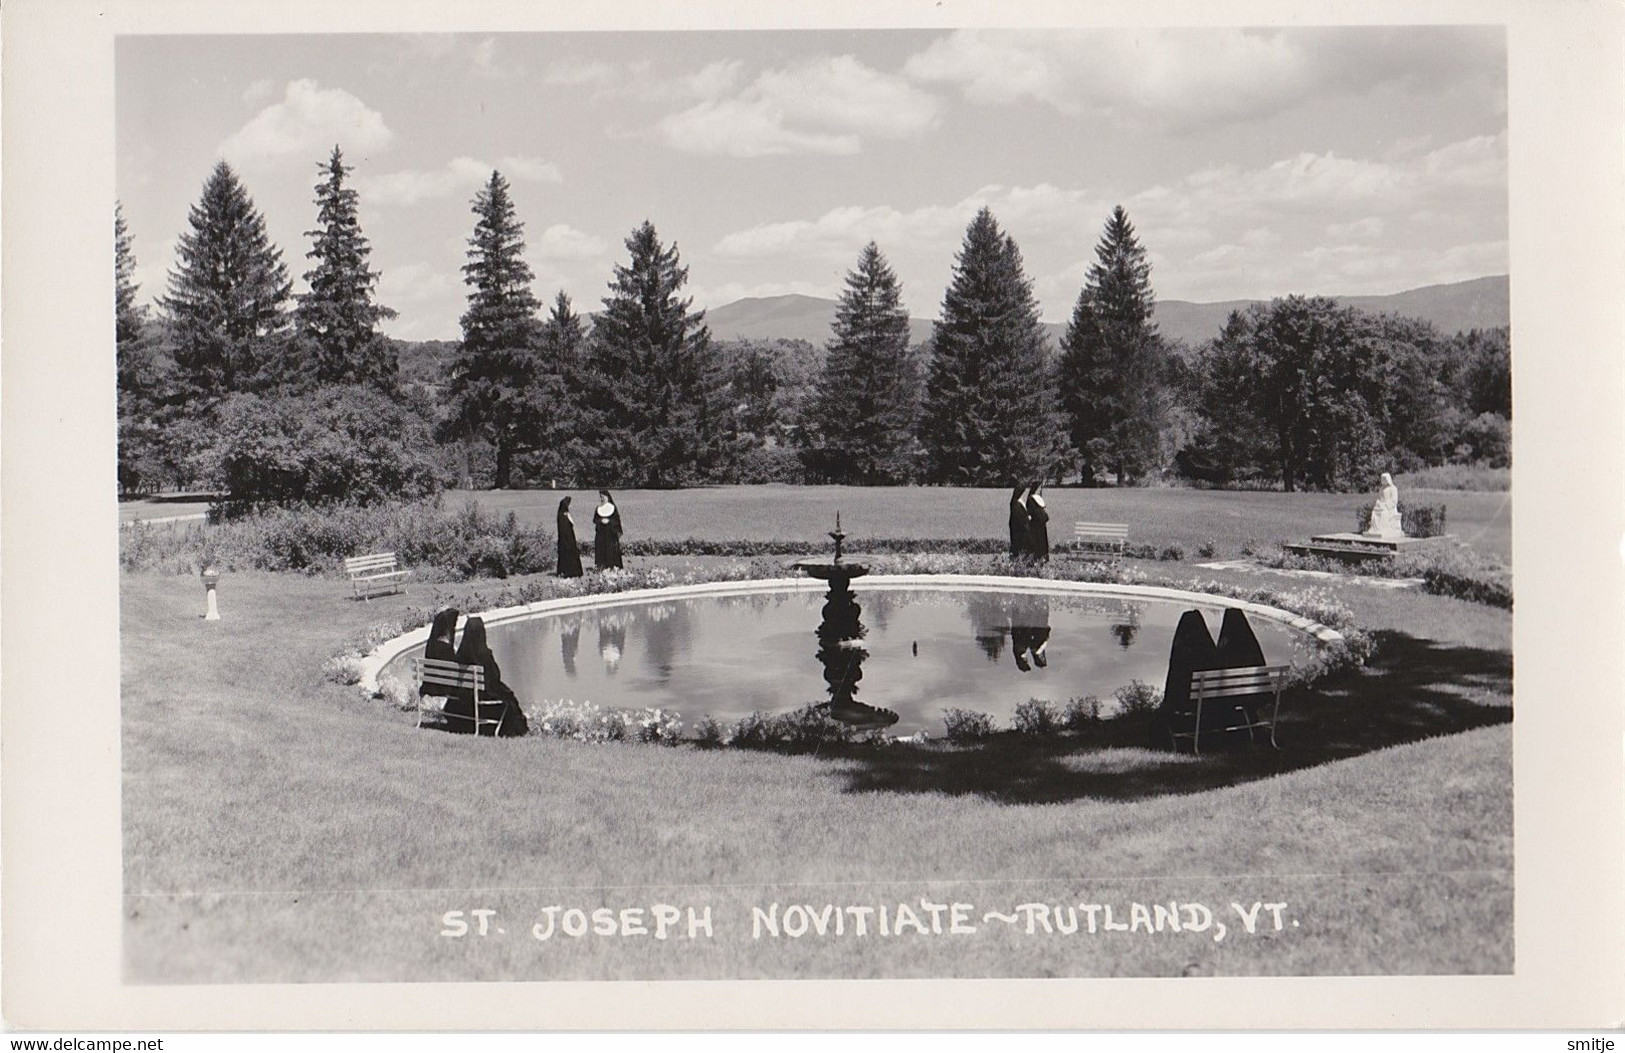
(1411, 689)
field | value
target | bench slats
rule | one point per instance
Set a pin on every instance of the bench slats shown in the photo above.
(1218, 679)
(1210, 685)
(1113, 536)
(439, 672)
(468, 676)
(380, 567)
(359, 563)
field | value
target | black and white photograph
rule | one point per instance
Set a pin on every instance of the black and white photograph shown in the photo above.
(782, 500)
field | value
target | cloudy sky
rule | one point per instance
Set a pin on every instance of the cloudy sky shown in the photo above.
(1254, 163)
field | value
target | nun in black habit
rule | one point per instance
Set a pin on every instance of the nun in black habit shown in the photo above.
(441, 647)
(1192, 649)
(474, 650)
(606, 541)
(1037, 525)
(569, 551)
(1239, 649)
(1020, 524)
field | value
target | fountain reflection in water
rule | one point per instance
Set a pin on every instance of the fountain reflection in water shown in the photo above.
(840, 639)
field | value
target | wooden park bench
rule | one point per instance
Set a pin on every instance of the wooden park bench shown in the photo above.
(1211, 687)
(456, 679)
(1110, 536)
(381, 571)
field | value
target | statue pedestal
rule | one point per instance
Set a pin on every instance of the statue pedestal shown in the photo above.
(1357, 548)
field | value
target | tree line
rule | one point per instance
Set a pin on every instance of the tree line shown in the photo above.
(237, 384)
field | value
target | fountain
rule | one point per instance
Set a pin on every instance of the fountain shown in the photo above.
(835, 570)
(840, 639)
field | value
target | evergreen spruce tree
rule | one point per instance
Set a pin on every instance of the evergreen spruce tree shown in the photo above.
(564, 339)
(227, 296)
(864, 407)
(654, 383)
(494, 380)
(128, 317)
(338, 318)
(1111, 360)
(989, 417)
(559, 455)
(140, 372)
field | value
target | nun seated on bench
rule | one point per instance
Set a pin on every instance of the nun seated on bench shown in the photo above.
(467, 681)
(1216, 688)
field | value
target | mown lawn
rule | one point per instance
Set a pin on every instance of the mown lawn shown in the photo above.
(279, 827)
(1155, 516)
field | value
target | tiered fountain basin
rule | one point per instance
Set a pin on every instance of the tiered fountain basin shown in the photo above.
(929, 642)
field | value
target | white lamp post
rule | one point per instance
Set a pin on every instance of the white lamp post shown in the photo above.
(211, 578)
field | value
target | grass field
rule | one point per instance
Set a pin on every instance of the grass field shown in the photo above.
(1155, 516)
(279, 827)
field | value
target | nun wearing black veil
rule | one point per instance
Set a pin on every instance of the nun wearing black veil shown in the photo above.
(474, 650)
(606, 542)
(442, 648)
(569, 551)
(1020, 542)
(1192, 649)
(1239, 649)
(1037, 525)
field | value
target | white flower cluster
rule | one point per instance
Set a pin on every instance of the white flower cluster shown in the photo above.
(590, 722)
(343, 668)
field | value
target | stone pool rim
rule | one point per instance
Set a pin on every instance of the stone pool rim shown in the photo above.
(375, 661)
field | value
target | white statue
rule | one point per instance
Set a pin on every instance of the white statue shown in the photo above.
(1385, 513)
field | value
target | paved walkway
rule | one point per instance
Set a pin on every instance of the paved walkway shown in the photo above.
(1324, 575)
(165, 519)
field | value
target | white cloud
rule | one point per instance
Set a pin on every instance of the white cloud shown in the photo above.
(530, 170)
(414, 283)
(841, 232)
(1339, 224)
(1353, 269)
(572, 72)
(1359, 230)
(563, 242)
(1315, 222)
(1345, 196)
(1477, 162)
(459, 176)
(152, 266)
(260, 92)
(1186, 78)
(715, 80)
(826, 105)
(1046, 221)
(307, 123)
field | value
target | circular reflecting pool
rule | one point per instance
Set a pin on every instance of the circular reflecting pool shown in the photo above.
(912, 650)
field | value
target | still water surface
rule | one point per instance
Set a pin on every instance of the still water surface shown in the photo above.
(922, 651)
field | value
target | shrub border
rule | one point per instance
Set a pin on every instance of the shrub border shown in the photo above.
(374, 661)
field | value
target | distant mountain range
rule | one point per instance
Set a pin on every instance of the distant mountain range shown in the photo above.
(1480, 303)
